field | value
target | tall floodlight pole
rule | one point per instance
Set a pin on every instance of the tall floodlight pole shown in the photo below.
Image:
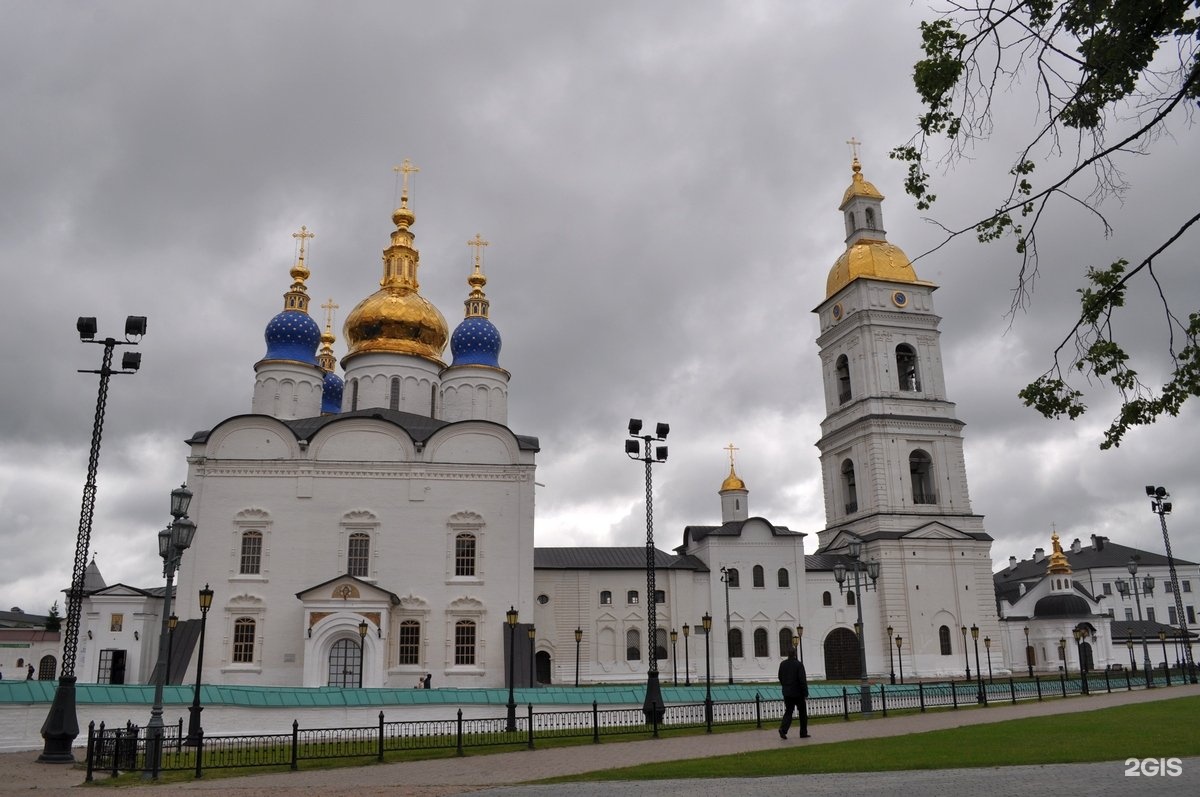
(1162, 507)
(194, 729)
(641, 447)
(62, 724)
(839, 573)
(172, 542)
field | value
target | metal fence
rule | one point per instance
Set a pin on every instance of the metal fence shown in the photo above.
(131, 749)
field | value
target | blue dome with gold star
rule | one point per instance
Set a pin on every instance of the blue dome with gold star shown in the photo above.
(292, 335)
(476, 341)
(332, 388)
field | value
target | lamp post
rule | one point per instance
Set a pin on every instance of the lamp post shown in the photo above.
(891, 661)
(511, 618)
(194, 730)
(1129, 644)
(1080, 635)
(362, 650)
(641, 447)
(687, 667)
(674, 660)
(1162, 507)
(800, 642)
(839, 573)
(578, 639)
(1062, 653)
(1162, 637)
(900, 658)
(966, 657)
(172, 542)
(706, 621)
(1146, 588)
(978, 672)
(532, 638)
(62, 724)
(725, 577)
(1028, 658)
(987, 646)
(172, 621)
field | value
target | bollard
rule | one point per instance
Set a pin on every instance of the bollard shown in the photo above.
(1012, 688)
(921, 695)
(758, 710)
(199, 752)
(954, 694)
(530, 705)
(460, 732)
(379, 757)
(1037, 679)
(91, 748)
(845, 705)
(295, 744)
(883, 700)
(595, 723)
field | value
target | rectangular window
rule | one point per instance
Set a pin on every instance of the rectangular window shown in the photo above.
(631, 597)
(605, 597)
(1168, 586)
(358, 555)
(251, 563)
(1191, 614)
(1172, 617)
(243, 641)
(1129, 614)
(410, 643)
(464, 555)
(464, 643)
(660, 596)
(1150, 613)
(1187, 585)
(1107, 587)
(116, 622)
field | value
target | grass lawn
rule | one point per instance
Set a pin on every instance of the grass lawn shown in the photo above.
(1160, 729)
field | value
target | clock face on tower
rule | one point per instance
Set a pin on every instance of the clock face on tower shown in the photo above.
(900, 298)
(837, 312)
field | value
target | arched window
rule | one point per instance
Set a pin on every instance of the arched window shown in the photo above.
(251, 558)
(633, 645)
(606, 597)
(464, 643)
(394, 395)
(849, 223)
(849, 486)
(785, 641)
(870, 219)
(920, 470)
(757, 575)
(735, 643)
(761, 650)
(464, 554)
(47, 668)
(826, 598)
(243, 640)
(944, 639)
(906, 368)
(631, 597)
(732, 578)
(842, 370)
(784, 581)
(410, 643)
(353, 395)
(660, 643)
(358, 555)
(849, 597)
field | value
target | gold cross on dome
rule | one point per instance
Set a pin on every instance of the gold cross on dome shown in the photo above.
(730, 448)
(478, 243)
(303, 235)
(854, 145)
(329, 307)
(405, 169)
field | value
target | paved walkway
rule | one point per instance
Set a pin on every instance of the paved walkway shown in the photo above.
(20, 773)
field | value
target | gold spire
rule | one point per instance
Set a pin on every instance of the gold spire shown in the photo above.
(297, 297)
(858, 184)
(477, 303)
(325, 357)
(1058, 559)
(732, 482)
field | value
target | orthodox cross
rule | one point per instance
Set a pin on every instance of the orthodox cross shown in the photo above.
(731, 449)
(406, 168)
(854, 145)
(329, 307)
(478, 243)
(302, 235)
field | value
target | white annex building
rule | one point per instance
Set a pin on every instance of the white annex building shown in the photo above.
(371, 528)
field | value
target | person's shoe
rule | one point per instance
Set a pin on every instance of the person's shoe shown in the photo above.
(783, 734)
(804, 736)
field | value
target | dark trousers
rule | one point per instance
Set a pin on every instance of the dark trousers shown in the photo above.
(801, 706)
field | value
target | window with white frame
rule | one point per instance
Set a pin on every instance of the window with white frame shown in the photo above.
(358, 554)
(465, 546)
(250, 561)
(464, 643)
(464, 554)
(244, 629)
(409, 650)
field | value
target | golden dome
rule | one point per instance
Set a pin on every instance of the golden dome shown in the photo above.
(397, 318)
(1058, 559)
(866, 258)
(732, 482)
(859, 186)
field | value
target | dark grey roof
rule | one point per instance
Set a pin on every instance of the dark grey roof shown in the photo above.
(731, 529)
(22, 620)
(1121, 630)
(419, 427)
(610, 558)
(825, 561)
(1061, 605)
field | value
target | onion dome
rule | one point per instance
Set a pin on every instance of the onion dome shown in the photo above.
(732, 482)
(1058, 559)
(293, 335)
(332, 385)
(1060, 605)
(476, 341)
(397, 318)
(868, 254)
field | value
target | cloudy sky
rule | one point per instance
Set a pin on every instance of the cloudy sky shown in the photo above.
(659, 183)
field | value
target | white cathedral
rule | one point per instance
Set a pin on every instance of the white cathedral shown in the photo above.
(377, 529)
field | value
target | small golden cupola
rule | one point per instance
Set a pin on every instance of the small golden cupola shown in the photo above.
(868, 253)
(735, 503)
(397, 319)
(1058, 560)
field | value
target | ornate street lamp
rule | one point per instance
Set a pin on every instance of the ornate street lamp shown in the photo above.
(641, 447)
(706, 621)
(674, 657)
(578, 639)
(532, 637)
(172, 621)
(62, 724)
(1162, 507)
(966, 657)
(839, 573)
(1146, 588)
(1129, 644)
(900, 658)
(687, 667)
(511, 618)
(1080, 635)
(726, 577)
(891, 661)
(172, 542)
(1028, 652)
(362, 650)
(194, 729)
(1162, 637)
(978, 674)
(987, 646)
(800, 642)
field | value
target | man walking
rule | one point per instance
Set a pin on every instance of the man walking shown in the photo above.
(794, 682)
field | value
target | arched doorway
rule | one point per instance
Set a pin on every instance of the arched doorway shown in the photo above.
(541, 664)
(47, 668)
(842, 661)
(1086, 660)
(345, 664)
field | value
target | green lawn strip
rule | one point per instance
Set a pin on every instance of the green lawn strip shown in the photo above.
(1157, 729)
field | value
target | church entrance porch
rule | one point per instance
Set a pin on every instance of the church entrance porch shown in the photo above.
(842, 660)
(345, 664)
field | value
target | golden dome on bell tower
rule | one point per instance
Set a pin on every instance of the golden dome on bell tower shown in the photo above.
(397, 318)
